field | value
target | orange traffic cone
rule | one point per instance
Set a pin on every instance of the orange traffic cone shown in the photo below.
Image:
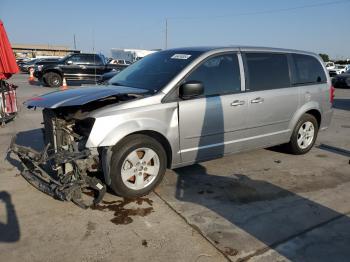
(31, 75)
(64, 84)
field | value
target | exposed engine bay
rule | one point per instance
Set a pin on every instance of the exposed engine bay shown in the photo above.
(65, 169)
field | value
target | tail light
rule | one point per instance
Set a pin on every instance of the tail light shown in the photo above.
(331, 94)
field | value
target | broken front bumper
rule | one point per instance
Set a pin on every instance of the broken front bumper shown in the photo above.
(72, 186)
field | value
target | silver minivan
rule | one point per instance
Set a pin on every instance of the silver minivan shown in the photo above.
(181, 106)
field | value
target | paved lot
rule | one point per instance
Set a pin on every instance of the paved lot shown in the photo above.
(263, 205)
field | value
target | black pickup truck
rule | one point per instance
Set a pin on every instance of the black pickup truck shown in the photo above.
(80, 66)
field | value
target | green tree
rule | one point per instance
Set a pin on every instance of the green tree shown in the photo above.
(325, 57)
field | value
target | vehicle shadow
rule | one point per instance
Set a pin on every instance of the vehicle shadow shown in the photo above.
(31, 138)
(35, 83)
(9, 231)
(267, 212)
(343, 104)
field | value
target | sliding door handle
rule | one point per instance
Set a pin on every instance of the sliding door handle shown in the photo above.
(237, 103)
(257, 100)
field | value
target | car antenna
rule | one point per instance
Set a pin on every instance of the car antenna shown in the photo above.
(93, 51)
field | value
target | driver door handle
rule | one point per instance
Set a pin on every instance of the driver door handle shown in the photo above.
(257, 100)
(237, 103)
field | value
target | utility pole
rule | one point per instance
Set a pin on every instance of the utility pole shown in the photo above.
(75, 44)
(166, 33)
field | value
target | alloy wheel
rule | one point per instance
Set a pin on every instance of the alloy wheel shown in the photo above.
(140, 168)
(306, 135)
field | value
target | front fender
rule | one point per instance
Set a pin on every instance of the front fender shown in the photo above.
(54, 69)
(121, 131)
(109, 130)
(112, 126)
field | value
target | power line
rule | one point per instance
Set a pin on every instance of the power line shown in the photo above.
(166, 33)
(279, 10)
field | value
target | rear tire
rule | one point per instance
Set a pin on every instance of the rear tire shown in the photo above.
(53, 79)
(137, 166)
(304, 135)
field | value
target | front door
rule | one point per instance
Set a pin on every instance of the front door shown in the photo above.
(210, 125)
(75, 67)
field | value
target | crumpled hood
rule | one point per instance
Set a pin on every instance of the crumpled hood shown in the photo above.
(80, 96)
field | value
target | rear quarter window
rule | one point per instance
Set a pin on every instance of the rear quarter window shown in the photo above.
(267, 71)
(308, 70)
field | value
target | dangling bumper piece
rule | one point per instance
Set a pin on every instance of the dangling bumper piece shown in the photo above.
(72, 186)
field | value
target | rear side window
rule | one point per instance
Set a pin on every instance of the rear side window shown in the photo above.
(308, 70)
(94, 59)
(267, 71)
(220, 75)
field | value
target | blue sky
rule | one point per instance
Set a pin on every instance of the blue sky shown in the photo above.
(107, 24)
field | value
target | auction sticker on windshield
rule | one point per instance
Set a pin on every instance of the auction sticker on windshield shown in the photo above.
(180, 56)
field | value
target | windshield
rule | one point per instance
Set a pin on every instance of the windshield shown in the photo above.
(156, 70)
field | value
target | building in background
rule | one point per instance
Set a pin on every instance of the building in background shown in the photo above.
(37, 50)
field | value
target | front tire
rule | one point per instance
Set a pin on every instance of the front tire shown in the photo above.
(137, 166)
(304, 135)
(53, 79)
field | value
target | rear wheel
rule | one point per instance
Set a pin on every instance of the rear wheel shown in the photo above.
(137, 166)
(53, 79)
(304, 135)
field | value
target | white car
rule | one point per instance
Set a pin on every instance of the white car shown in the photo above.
(329, 65)
(120, 62)
(339, 69)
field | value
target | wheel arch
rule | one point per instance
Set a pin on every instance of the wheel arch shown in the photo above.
(317, 114)
(311, 108)
(52, 71)
(106, 151)
(160, 138)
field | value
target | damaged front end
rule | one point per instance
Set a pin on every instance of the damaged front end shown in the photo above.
(65, 169)
(68, 162)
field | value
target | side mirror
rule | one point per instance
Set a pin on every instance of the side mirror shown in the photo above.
(191, 89)
(69, 62)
